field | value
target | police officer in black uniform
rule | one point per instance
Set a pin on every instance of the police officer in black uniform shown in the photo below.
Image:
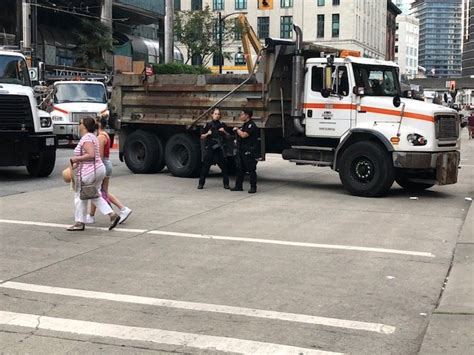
(247, 143)
(213, 134)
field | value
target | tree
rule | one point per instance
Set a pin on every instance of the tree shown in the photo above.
(198, 32)
(93, 39)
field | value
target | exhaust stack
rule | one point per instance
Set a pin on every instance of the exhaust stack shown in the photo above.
(297, 87)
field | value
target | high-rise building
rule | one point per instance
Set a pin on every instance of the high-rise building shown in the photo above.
(347, 24)
(440, 49)
(468, 39)
(407, 45)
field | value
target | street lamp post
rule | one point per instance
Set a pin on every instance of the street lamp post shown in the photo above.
(220, 20)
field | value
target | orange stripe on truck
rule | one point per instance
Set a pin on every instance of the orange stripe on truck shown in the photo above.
(380, 111)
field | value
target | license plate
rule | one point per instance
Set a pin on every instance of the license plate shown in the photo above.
(49, 142)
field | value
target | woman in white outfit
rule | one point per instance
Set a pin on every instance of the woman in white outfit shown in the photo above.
(89, 169)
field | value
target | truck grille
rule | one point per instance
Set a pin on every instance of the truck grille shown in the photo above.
(15, 113)
(77, 116)
(447, 127)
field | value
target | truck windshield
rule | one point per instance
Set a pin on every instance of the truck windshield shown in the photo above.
(78, 92)
(13, 70)
(377, 80)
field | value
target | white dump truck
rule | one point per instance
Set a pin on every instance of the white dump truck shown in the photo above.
(26, 133)
(72, 100)
(341, 111)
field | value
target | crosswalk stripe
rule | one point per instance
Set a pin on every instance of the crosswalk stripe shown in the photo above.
(157, 336)
(239, 239)
(203, 307)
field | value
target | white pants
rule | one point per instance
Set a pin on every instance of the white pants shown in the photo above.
(101, 204)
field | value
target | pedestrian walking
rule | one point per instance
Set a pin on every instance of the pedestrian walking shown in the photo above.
(213, 136)
(104, 152)
(89, 170)
(470, 126)
(247, 147)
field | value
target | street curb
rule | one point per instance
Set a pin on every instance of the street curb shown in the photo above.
(440, 338)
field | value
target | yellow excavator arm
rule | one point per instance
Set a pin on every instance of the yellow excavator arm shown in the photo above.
(249, 38)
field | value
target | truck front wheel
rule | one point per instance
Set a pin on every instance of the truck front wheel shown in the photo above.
(183, 155)
(41, 164)
(366, 169)
(143, 153)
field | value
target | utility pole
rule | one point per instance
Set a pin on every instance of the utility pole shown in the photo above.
(221, 57)
(169, 35)
(19, 22)
(106, 19)
(26, 23)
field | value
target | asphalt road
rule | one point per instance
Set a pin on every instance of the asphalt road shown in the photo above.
(299, 267)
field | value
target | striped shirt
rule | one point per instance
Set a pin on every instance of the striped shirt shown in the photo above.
(87, 167)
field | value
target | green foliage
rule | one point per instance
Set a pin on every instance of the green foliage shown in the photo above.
(93, 41)
(198, 32)
(178, 68)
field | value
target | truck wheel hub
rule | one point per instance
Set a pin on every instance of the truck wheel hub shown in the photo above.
(363, 170)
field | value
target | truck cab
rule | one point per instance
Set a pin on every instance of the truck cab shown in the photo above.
(358, 101)
(73, 100)
(26, 133)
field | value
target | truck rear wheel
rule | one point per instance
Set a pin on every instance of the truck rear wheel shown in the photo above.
(402, 179)
(183, 155)
(143, 153)
(366, 169)
(41, 165)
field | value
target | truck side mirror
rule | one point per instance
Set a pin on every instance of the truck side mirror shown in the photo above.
(397, 101)
(327, 81)
(358, 90)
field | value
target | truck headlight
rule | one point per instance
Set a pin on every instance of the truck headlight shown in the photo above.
(416, 139)
(45, 122)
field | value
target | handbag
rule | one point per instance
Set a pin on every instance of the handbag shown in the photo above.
(88, 191)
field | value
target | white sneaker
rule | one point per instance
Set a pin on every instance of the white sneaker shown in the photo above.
(90, 219)
(124, 214)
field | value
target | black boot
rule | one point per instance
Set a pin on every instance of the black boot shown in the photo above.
(253, 190)
(237, 188)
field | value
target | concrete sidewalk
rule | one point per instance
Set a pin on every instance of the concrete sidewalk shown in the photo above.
(451, 327)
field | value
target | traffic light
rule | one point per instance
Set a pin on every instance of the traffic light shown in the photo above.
(265, 4)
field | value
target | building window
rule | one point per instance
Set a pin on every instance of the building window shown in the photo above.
(336, 2)
(240, 4)
(320, 33)
(335, 25)
(196, 4)
(215, 29)
(320, 2)
(217, 5)
(239, 58)
(237, 30)
(217, 60)
(263, 27)
(177, 5)
(286, 29)
(286, 3)
(196, 59)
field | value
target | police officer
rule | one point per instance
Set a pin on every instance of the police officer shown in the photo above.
(213, 134)
(247, 143)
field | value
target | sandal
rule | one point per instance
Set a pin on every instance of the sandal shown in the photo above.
(114, 219)
(76, 227)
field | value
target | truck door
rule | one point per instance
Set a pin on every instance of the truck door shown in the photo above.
(328, 117)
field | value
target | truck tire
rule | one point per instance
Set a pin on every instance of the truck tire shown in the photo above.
(402, 180)
(366, 169)
(183, 155)
(41, 165)
(143, 153)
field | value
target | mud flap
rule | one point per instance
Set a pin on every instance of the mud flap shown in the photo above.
(447, 168)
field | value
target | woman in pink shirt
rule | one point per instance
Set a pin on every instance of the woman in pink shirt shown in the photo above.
(90, 169)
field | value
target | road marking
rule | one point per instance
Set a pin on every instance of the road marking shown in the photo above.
(238, 239)
(294, 244)
(157, 336)
(57, 225)
(204, 307)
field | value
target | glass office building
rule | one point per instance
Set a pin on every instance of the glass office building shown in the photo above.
(440, 51)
